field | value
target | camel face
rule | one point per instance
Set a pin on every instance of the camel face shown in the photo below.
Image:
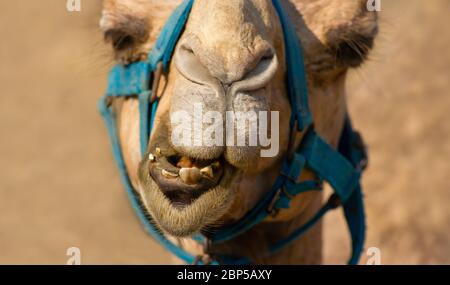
(230, 58)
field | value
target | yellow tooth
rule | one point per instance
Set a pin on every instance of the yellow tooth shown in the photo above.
(190, 175)
(168, 174)
(158, 151)
(215, 164)
(208, 172)
(152, 157)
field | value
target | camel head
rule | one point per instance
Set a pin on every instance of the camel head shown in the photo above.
(230, 58)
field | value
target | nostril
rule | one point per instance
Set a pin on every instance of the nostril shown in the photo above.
(189, 65)
(188, 50)
(252, 74)
(260, 76)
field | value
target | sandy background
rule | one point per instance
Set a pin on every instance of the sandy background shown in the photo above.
(59, 186)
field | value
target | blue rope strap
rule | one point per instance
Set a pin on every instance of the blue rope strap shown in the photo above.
(165, 44)
(296, 74)
(330, 165)
(129, 80)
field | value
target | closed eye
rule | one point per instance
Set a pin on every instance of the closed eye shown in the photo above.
(354, 50)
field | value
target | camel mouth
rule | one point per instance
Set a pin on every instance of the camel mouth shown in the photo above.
(184, 179)
(185, 195)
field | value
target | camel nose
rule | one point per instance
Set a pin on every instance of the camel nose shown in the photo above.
(233, 67)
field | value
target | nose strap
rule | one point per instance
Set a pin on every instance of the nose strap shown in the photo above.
(165, 45)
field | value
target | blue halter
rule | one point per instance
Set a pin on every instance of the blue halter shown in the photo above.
(341, 169)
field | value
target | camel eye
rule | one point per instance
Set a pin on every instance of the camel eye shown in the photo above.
(354, 50)
(119, 39)
(126, 34)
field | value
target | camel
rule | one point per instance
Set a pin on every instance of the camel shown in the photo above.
(222, 43)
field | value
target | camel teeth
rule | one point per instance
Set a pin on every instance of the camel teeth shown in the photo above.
(190, 175)
(168, 174)
(151, 157)
(158, 151)
(208, 172)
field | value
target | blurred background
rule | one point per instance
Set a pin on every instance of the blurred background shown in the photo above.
(59, 186)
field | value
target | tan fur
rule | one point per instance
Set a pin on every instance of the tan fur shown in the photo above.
(323, 25)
